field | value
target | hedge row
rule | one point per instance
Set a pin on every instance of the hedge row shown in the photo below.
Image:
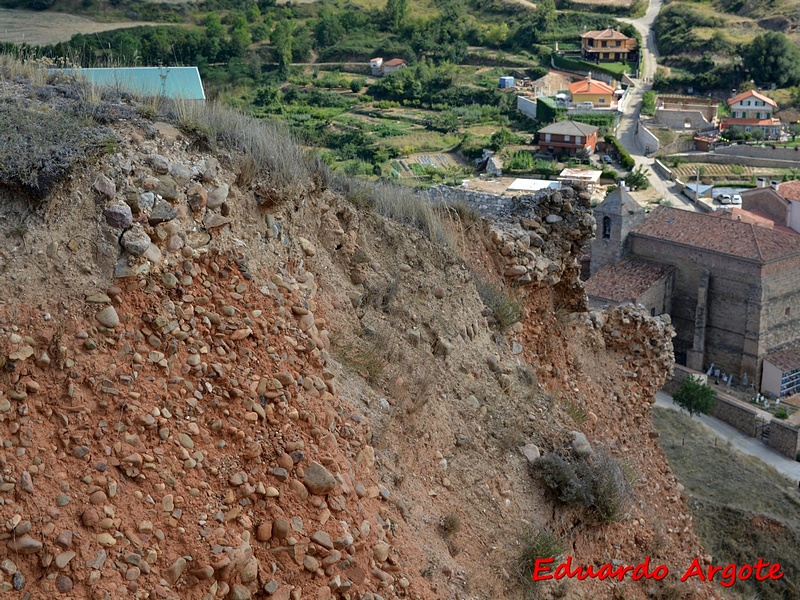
(625, 159)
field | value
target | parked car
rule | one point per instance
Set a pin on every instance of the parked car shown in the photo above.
(585, 105)
(724, 198)
(606, 159)
(737, 199)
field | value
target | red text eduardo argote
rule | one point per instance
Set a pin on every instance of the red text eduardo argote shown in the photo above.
(725, 575)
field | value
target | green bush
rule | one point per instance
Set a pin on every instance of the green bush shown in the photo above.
(519, 161)
(625, 159)
(537, 542)
(781, 413)
(649, 102)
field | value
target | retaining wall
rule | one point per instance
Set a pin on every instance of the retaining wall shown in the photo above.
(784, 438)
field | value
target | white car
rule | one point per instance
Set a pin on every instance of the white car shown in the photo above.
(724, 199)
(737, 199)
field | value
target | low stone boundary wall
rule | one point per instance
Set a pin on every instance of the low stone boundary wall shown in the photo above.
(663, 170)
(736, 414)
(784, 437)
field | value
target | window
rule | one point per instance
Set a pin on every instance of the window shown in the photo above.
(606, 228)
(577, 139)
(566, 138)
(748, 103)
(601, 100)
(604, 44)
(546, 137)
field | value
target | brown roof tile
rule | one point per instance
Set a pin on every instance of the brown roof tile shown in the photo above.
(751, 94)
(790, 190)
(590, 86)
(724, 236)
(605, 34)
(786, 359)
(626, 280)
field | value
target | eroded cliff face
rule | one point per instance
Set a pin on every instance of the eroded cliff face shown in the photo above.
(213, 387)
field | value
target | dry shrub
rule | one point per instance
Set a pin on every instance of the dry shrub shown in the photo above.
(537, 542)
(597, 482)
(506, 309)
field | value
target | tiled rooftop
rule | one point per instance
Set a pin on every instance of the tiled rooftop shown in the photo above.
(725, 236)
(790, 190)
(626, 280)
(786, 359)
(605, 34)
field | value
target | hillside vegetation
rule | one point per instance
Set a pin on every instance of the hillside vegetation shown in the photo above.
(743, 510)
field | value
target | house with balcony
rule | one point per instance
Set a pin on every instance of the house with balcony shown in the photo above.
(751, 110)
(568, 137)
(607, 45)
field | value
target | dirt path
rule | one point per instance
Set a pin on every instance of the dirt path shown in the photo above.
(31, 27)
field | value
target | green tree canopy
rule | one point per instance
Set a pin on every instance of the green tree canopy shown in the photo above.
(772, 58)
(694, 396)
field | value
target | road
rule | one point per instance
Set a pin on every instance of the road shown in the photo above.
(626, 132)
(740, 441)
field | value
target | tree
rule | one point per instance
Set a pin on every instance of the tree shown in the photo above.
(282, 38)
(694, 397)
(329, 29)
(794, 130)
(396, 12)
(638, 178)
(773, 58)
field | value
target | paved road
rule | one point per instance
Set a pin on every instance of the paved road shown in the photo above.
(626, 132)
(740, 441)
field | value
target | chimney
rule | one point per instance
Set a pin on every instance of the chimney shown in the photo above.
(761, 182)
(774, 184)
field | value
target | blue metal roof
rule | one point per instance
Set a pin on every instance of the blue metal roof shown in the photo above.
(172, 82)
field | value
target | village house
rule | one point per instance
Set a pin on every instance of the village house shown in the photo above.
(379, 67)
(599, 93)
(751, 110)
(779, 202)
(568, 137)
(607, 45)
(733, 292)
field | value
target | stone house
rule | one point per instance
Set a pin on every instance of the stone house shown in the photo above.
(606, 45)
(779, 202)
(735, 290)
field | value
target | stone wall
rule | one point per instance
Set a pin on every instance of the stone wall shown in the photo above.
(725, 159)
(526, 106)
(662, 169)
(647, 139)
(787, 154)
(730, 286)
(677, 119)
(784, 437)
(488, 205)
(737, 414)
(682, 373)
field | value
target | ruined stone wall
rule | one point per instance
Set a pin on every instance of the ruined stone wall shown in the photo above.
(737, 414)
(677, 119)
(784, 437)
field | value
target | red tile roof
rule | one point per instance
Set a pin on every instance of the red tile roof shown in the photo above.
(626, 280)
(752, 94)
(395, 62)
(789, 190)
(605, 34)
(761, 122)
(590, 86)
(786, 359)
(724, 236)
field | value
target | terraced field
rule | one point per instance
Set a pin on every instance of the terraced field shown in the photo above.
(688, 171)
(30, 27)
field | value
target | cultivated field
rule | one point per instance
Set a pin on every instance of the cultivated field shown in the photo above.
(31, 27)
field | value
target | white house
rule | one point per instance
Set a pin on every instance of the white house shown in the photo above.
(751, 110)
